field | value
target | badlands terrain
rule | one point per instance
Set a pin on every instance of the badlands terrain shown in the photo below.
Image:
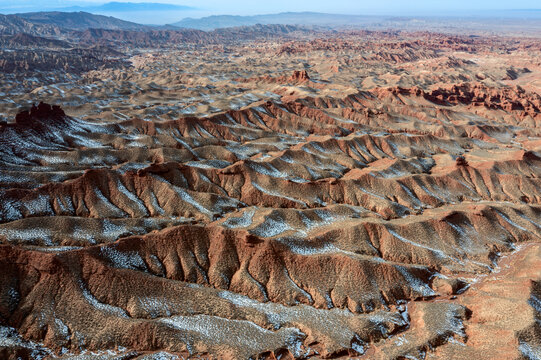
(269, 192)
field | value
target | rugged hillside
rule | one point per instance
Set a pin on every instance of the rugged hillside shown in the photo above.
(332, 213)
(11, 24)
(23, 40)
(376, 197)
(168, 38)
(80, 21)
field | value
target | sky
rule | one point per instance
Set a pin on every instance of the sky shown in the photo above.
(253, 7)
(358, 6)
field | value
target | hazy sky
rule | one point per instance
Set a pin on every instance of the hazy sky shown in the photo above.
(359, 6)
(334, 6)
(254, 7)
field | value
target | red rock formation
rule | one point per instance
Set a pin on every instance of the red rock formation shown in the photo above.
(331, 223)
(299, 76)
(39, 113)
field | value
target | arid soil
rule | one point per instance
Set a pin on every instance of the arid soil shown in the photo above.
(356, 194)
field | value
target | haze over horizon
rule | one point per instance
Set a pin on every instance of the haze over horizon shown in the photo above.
(242, 7)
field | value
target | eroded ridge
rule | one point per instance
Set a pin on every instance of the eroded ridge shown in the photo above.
(316, 219)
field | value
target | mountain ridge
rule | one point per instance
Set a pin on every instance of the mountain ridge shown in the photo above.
(79, 20)
(285, 18)
(115, 6)
(12, 24)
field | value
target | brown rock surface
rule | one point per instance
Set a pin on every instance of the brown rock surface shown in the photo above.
(214, 201)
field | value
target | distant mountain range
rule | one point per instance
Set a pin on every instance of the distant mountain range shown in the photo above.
(53, 23)
(66, 29)
(112, 7)
(477, 20)
(58, 24)
(142, 13)
(79, 21)
(289, 18)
